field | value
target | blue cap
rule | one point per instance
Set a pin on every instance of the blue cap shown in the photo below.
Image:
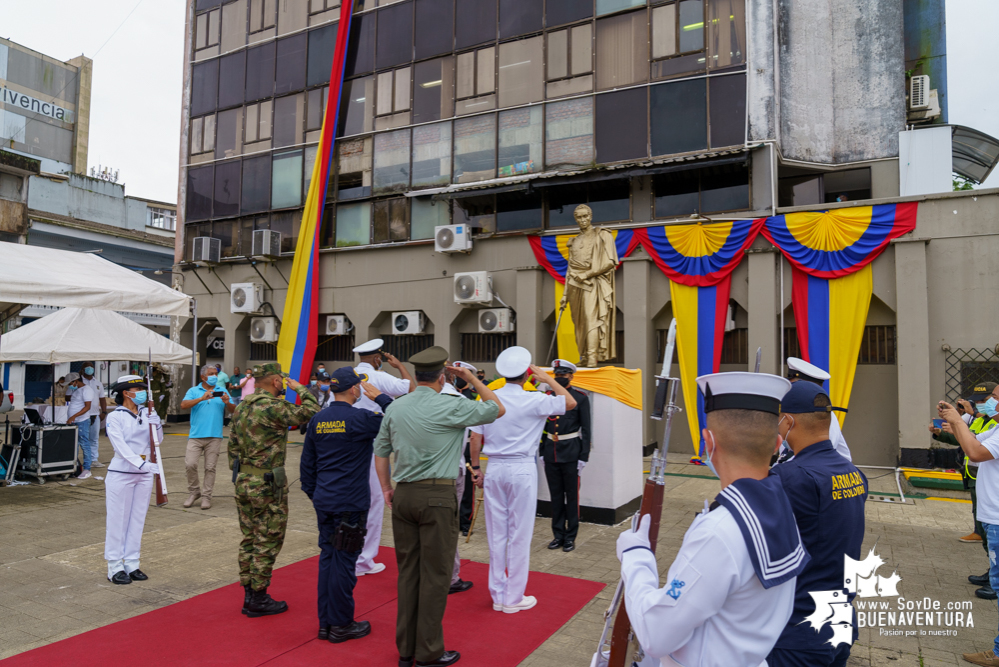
(800, 399)
(344, 378)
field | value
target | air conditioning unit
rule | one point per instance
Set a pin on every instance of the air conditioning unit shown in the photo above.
(495, 320)
(337, 325)
(206, 250)
(407, 322)
(266, 243)
(473, 287)
(452, 238)
(919, 92)
(263, 330)
(245, 297)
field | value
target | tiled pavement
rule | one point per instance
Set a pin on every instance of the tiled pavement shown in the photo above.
(53, 585)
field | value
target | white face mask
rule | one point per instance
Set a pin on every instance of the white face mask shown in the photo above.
(708, 454)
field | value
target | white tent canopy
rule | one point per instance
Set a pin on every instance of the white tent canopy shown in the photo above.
(75, 334)
(46, 277)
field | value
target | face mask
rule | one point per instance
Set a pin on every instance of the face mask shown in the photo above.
(322, 368)
(140, 397)
(312, 383)
(459, 383)
(788, 430)
(990, 406)
(707, 454)
(89, 370)
(980, 407)
(212, 380)
(324, 387)
(563, 381)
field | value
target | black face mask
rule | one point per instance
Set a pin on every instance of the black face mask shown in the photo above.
(563, 381)
(459, 383)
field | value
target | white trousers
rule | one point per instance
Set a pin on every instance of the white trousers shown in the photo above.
(127, 504)
(376, 513)
(511, 500)
(459, 488)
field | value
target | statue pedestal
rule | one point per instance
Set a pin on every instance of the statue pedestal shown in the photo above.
(610, 487)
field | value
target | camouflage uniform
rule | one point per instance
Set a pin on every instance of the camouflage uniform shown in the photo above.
(161, 390)
(259, 437)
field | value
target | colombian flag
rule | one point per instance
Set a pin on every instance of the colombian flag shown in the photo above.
(296, 348)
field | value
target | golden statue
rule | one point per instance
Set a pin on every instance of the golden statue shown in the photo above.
(589, 289)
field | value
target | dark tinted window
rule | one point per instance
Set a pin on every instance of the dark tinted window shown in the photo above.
(610, 200)
(355, 107)
(622, 124)
(434, 21)
(227, 180)
(395, 35)
(206, 4)
(361, 47)
(475, 23)
(287, 121)
(566, 11)
(676, 194)
(562, 201)
(518, 210)
(728, 110)
(431, 90)
(204, 87)
(322, 45)
(260, 72)
(519, 17)
(680, 110)
(290, 64)
(390, 220)
(724, 189)
(232, 70)
(199, 193)
(256, 184)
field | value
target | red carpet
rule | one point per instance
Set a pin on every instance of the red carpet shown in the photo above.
(209, 630)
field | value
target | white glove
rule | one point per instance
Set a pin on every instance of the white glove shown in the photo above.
(579, 466)
(635, 538)
(155, 468)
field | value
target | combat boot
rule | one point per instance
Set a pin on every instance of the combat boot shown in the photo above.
(247, 592)
(262, 604)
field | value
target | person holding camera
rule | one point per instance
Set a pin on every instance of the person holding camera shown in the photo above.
(209, 404)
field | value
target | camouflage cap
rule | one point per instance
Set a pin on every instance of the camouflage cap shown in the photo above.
(263, 370)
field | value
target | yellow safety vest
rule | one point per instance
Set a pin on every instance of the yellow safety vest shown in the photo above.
(977, 426)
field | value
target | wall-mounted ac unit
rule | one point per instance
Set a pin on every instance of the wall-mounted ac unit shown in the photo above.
(245, 297)
(452, 238)
(266, 243)
(407, 322)
(495, 320)
(337, 325)
(473, 287)
(919, 92)
(263, 330)
(206, 250)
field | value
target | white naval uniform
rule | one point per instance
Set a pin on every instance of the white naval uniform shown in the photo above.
(128, 487)
(511, 486)
(394, 387)
(721, 615)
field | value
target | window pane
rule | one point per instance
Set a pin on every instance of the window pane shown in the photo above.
(558, 54)
(199, 193)
(518, 210)
(223, 230)
(622, 50)
(725, 189)
(432, 155)
(322, 46)
(288, 116)
(622, 125)
(562, 203)
(197, 128)
(229, 134)
(233, 26)
(610, 201)
(384, 96)
(390, 220)
(676, 194)
(477, 212)
(286, 180)
(432, 90)
(663, 31)
(227, 179)
(260, 72)
(256, 187)
(681, 112)
(475, 105)
(520, 136)
(252, 122)
(559, 12)
(207, 4)
(521, 68)
(434, 20)
(519, 17)
(308, 165)
(485, 71)
(671, 67)
(691, 25)
(264, 124)
(402, 78)
(315, 105)
(727, 34)
(475, 148)
(475, 23)
(573, 86)
(288, 224)
(201, 31)
(728, 110)
(608, 6)
(291, 64)
(395, 36)
(357, 105)
(353, 225)
(582, 49)
(391, 161)
(354, 168)
(426, 215)
(466, 75)
(232, 72)
(361, 47)
(569, 133)
(204, 87)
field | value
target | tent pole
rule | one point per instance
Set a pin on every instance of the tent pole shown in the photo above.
(194, 346)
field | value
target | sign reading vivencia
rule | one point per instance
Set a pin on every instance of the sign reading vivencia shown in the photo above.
(35, 105)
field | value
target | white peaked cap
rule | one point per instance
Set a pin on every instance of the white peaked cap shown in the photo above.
(465, 364)
(805, 368)
(370, 347)
(562, 364)
(743, 391)
(513, 361)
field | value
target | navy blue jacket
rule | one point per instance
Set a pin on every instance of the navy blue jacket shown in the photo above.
(336, 458)
(828, 495)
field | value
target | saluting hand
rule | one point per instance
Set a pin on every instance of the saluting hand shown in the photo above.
(370, 390)
(460, 371)
(391, 360)
(293, 383)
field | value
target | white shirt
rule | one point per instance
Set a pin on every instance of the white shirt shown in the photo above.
(837, 439)
(98, 388)
(987, 479)
(383, 382)
(451, 390)
(76, 401)
(721, 615)
(518, 432)
(129, 436)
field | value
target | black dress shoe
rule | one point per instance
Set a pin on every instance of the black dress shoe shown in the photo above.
(986, 593)
(137, 575)
(979, 580)
(568, 546)
(324, 632)
(459, 586)
(555, 544)
(120, 578)
(355, 630)
(447, 658)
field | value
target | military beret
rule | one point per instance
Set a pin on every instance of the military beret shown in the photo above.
(263, 370)
(429, 360)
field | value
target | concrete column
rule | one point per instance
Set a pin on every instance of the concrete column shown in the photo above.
(763, 310)
(237, 342)
(530, 320)
(640, 342)
(913, 342)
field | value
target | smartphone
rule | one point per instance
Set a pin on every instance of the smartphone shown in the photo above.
(217, 393)
(938, 423)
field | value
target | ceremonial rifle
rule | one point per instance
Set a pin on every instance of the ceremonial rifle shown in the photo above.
(159, 480)
(558, 321)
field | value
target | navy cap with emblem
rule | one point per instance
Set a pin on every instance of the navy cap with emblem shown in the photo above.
(800, 399)
(343, 379)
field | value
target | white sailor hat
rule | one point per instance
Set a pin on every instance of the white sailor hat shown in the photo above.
(743, 391)
(563, 366)
(513, 362)
(126, 382)
(369, 347)
(799, 368)
(465, 364)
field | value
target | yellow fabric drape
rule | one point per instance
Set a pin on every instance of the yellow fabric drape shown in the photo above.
(849, 301)
(830, 230)
(566, 335)
(685, 305)
(621, 384)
